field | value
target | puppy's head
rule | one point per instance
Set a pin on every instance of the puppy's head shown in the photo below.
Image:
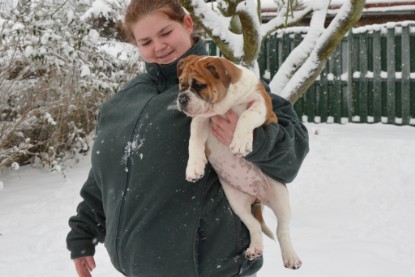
(203, 82)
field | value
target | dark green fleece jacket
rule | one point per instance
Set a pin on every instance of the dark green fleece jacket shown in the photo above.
(136, 199)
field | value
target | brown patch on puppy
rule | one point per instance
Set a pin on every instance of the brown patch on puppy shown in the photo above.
(271, 117)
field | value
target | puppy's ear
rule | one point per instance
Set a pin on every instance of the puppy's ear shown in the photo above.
(218, 69)
(212, 69)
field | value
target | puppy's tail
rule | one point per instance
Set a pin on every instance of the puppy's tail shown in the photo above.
(257, 212)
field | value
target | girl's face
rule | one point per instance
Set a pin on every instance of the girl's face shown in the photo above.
(162, 40)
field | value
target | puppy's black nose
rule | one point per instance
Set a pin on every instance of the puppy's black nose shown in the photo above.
(183, 99)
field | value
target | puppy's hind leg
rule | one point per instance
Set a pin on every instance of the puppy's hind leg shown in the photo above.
(280, 204)
(240, 203)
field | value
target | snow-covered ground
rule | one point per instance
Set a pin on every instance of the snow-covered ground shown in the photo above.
(353, 210)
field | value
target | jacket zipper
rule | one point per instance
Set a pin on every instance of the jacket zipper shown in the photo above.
(124, 192)
(202, 205)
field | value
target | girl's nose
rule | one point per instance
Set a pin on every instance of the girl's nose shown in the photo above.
(159, 45)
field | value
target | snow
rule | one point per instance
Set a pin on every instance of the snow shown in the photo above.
(98, 8)
(286, 79)
(219, 25)
(85, 71)
(352, 201)
(353, 210)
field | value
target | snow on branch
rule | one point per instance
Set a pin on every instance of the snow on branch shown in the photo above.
(299, 55)
(235, 27)
(282, 20)
(302, 79)
(216, 26)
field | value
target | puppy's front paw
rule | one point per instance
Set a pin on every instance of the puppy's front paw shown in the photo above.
(291, 260)
(242, 144)
(253, 253)
(195, 170)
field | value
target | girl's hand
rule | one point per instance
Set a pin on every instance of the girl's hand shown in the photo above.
(84, 266)
(223, 128)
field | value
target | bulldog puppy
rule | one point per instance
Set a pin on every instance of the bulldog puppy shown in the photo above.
(211, 86)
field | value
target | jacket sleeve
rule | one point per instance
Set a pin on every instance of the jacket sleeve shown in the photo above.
(88, 226)
(279, 149)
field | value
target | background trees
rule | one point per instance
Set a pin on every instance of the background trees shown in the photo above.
(55, 71)
(60, 59)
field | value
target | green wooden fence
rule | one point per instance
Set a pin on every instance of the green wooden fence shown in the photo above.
(369, 78)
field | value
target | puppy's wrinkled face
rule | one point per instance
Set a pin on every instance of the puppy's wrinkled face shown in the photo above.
(203, 82)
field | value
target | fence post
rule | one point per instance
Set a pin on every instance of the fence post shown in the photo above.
(412, 69)
(273, 55)
(262, 61)
(363, 94)
(406, 71)
(390, 85)
(354, 83)
(350, 66)
(377, 79)
(345, 108)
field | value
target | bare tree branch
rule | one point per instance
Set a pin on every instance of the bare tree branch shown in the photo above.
(300, 54)
(282, 21)
(348, 15)
(251, 28)
(217, 27)
(242, 44)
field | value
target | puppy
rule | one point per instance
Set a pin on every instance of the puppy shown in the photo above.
(211, 86)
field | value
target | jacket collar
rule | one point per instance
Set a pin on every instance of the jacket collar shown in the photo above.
(165, 75)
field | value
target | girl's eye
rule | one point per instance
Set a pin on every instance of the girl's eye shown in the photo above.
(145, 43)
(166, 33)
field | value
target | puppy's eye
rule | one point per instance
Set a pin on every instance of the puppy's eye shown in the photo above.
(198, 87)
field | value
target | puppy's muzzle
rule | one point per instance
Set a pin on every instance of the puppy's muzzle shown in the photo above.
(183, 101)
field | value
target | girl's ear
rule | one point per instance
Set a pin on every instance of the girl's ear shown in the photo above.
(188, 23)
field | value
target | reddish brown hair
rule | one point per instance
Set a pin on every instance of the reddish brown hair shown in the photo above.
(140, 8)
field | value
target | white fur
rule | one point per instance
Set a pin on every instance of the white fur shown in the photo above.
(242, 181)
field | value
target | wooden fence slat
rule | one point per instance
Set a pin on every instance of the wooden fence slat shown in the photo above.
(310, 104)
(398, 74)
(337, 85)
(355, 67)
(377, 79)
(405, 83)
(325, 108)
(328, 82)
(285, 47)
(390, 58)
(369, 78)
(273, 57)
(363, 93)
(345, 114)
(411, 48)
(350, 66)
(262, 59)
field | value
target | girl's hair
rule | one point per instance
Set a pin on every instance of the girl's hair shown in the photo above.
(140, 8)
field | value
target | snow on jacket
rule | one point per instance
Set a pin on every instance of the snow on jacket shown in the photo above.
(136, 199)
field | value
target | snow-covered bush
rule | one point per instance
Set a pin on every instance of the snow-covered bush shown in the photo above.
(55, 71)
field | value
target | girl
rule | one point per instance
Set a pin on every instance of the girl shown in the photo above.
(136, 198)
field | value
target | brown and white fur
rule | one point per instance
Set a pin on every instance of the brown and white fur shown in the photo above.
(211, 86)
